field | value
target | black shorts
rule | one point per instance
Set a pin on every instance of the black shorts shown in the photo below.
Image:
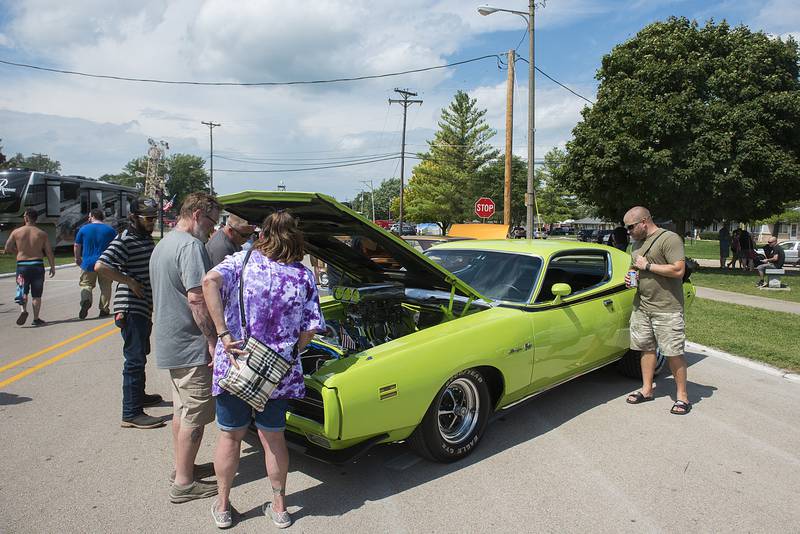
(30, 279)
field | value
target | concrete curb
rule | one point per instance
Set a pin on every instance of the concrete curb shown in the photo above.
(58, 267)
(740, 360)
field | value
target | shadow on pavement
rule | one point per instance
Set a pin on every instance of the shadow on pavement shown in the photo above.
(9, 398)
(374, 476)
(72, 320)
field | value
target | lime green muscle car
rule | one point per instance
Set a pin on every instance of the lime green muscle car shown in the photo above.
(425, 348)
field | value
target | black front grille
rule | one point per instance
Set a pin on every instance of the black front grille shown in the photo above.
(310, 407)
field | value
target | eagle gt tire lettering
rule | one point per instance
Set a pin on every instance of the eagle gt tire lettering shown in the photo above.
(455, 420)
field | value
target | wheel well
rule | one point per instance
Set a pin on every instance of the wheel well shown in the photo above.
(494, 381)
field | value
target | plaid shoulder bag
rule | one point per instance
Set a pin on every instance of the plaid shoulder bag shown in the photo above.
(260, 370)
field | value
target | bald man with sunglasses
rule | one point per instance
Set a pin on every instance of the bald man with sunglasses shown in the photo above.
(228, 239)
(657, 320)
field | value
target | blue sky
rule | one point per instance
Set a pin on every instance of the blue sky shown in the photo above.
(96, 126)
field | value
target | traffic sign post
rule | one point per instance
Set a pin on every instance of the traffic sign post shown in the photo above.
(484, 207)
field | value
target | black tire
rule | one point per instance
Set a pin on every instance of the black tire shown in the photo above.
(449, 437)
(630, 364)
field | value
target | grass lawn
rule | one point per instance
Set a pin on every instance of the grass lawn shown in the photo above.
(766, 336)
(706, 249)
(8, 262)
(743, 282)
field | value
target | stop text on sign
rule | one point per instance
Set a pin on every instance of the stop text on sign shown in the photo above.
(484, 207)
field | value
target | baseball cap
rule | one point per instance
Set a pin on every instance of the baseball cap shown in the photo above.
(144, 206)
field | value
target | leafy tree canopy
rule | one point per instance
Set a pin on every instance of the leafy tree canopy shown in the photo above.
(36, 162)
(694, 123)
(444, 185)
(385, 193)
(186, 175)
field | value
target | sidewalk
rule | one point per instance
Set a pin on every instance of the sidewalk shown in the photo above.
(715, 263)
(748, 300)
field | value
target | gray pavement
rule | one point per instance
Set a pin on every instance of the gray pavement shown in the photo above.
(577, 459)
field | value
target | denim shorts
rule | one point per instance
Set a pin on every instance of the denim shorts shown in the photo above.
(234, 414)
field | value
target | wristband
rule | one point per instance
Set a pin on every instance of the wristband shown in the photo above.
(647, 267)
(223, 334)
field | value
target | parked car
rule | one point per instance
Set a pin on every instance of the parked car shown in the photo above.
(518, 232)
(421, 243)
(790, 248)
(585, 235)
(408, 229)
(426, 348)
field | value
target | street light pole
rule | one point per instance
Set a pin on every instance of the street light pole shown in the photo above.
(530, 201)
(372, 195)
(530, 195)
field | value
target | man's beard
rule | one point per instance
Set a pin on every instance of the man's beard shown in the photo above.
(139, 228)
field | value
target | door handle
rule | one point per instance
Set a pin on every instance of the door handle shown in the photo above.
(608, 302)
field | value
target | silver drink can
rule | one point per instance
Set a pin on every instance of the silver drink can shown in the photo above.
(633, 274)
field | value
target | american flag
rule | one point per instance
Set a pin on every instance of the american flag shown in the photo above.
(169, 203)
(347, 341)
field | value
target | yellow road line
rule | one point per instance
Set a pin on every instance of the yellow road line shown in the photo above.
(52, 347)
(54, 359)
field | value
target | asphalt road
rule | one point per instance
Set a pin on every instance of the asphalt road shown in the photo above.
(577, 459)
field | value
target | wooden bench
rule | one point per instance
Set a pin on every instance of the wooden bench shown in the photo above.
(774, 278)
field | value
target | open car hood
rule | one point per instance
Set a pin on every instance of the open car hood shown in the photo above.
(328, 227)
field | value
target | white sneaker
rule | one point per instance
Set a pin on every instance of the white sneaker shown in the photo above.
(222, 519)
(281, 519)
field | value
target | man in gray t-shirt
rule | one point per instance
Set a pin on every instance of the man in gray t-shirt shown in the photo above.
(228, 239)
(183, 333)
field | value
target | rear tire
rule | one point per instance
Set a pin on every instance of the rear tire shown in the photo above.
(630, 364)
(455, 420)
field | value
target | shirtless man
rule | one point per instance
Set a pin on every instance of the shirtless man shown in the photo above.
(30, 243)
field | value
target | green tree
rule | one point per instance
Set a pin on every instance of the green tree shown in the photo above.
(36, 162)
(2, 157)
(186, 175)
(385, 193)
(443, 185)
(491, 178)
(695, 123)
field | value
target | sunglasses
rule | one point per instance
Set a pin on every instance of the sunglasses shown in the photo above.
(245, 235)
(210, 219)
(148, 218)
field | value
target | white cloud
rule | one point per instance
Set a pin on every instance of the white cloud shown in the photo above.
(96, 126)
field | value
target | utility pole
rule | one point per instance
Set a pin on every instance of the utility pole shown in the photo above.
(372, 195)
(530, 197)
(211, 126)
(509, 139)
(405, 102)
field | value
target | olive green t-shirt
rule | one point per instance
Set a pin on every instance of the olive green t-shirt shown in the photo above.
(658, 293)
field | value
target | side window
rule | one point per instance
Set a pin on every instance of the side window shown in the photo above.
(582, 270)
(69, 191)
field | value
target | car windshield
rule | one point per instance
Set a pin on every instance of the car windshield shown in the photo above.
(496, 275)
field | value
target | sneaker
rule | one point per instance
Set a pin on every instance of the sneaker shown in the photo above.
(151, 400)
(143, 421)
(281, 519)
(195, 490)
(38, 322)
(222, 519)
(104, 313)
(200, 472)
(84, 310)
(760, 283)
(23, 316)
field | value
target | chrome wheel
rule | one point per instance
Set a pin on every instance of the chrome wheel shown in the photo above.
(459, 406)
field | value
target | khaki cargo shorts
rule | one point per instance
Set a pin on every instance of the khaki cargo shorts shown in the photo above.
(191, 395)
(654, 329)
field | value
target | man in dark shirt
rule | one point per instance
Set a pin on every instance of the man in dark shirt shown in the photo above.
(228, 239)
(775, 257)
(127, 262)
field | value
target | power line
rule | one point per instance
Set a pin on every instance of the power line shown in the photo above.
(312, 161)
(540, 71)
(245, 84)
(310, 168)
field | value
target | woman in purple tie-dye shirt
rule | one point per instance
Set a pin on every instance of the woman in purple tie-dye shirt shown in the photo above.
(282, 310)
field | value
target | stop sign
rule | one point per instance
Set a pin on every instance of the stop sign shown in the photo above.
(484, 207)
